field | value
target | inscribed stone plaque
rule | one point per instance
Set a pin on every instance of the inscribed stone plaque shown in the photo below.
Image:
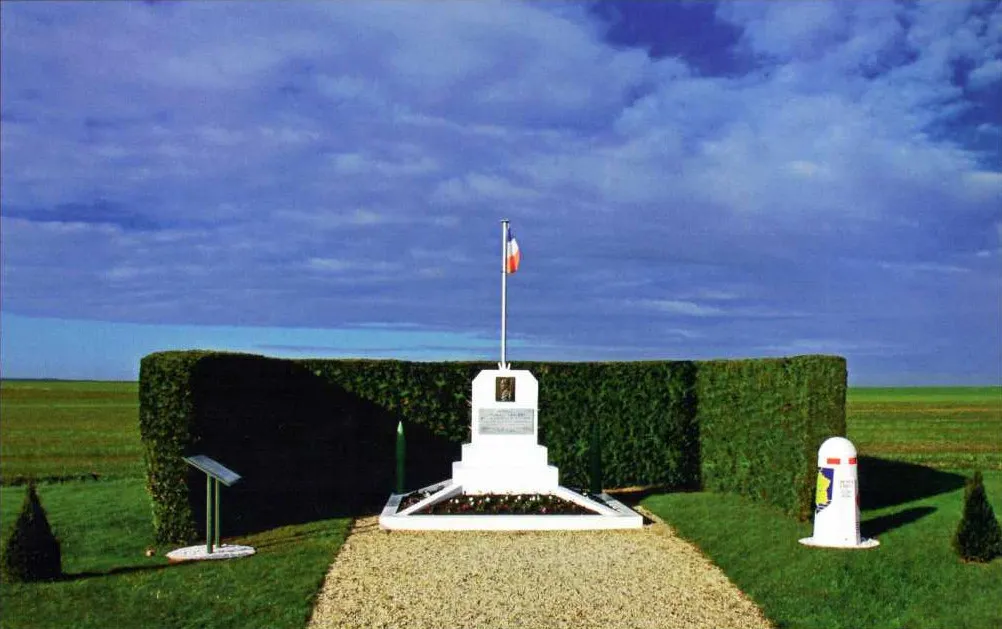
(506, 421)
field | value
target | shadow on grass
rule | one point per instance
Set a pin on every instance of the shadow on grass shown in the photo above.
(885, 483)
(882, 524)
(632, 496)
(90, 574)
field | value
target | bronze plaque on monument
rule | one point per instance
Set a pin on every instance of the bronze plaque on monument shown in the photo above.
(504, 389)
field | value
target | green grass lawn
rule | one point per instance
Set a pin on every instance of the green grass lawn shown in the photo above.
(64, 430)
(913, 579)
(105, 528)
(912, 438)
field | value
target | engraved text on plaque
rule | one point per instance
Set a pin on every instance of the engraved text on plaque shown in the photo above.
(506, 421)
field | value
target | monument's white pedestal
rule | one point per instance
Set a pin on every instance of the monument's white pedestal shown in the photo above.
(504, 457)
(505, 468)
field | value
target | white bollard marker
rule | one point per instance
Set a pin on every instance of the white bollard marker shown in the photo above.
(836, 515)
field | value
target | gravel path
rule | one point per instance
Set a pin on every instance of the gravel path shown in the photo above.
(445, 580)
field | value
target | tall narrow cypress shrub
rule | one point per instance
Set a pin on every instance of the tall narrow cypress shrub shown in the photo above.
(31, 552)
(401, 457)
(595, 458)
(978, 536)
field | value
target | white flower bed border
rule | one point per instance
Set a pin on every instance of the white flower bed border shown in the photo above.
(610, 514)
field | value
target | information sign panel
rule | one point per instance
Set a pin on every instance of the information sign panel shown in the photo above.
(213, 468)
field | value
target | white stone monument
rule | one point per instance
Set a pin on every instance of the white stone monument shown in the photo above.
(504, 455)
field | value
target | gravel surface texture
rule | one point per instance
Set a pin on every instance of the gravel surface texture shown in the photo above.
(449, 580)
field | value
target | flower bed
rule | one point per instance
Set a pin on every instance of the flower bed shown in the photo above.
(497, 504)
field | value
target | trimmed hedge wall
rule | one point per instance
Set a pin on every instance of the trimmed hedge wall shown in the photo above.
(166, 413)
(639, 405)
(305, 446)
(315, 437)
(761, 423)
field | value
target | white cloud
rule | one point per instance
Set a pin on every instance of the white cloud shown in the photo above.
(983, 184)
(346, 88)
(987, 74)
(340, 265)
(685, 334)
(357, 163)
(452, 256)
(686, 308)
(786, 31)
(366, 217)
(717, 295)
(328, 219)
(320, 156)
(923, 267)
(843, 347)
(479, 187)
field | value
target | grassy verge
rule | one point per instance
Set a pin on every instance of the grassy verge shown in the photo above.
(105, 528)
(913, 579)
(67, 430)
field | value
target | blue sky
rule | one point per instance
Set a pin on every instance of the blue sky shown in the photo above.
(686, 180)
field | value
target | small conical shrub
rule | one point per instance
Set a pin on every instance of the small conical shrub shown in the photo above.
(978, 536)
(31, 552)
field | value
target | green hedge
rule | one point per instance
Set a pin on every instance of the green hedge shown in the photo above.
(750, 427)
(166, 413)
(645, 413)
(761, 423)
(305, 446)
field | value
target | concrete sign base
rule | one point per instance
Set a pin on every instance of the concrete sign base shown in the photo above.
(823, 543)
(198, 553)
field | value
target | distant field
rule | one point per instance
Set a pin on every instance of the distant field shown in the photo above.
(944, 428)
(987, 395)
(60, 430)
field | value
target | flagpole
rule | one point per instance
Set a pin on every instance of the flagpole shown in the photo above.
(504, 290)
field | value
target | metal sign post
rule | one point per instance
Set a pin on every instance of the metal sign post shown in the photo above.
(215, 473)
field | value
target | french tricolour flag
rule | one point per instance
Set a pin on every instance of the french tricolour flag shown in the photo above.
(514, 256)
